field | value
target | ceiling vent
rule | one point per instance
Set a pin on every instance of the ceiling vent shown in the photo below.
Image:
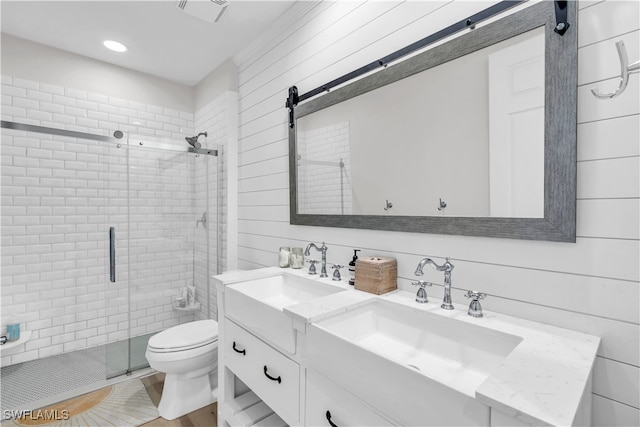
(207, 10)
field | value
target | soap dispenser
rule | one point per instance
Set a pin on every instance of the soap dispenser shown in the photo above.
(352, 267)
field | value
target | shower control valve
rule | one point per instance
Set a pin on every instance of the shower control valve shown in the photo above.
(336, 272)
(312, 265)
(203, 220)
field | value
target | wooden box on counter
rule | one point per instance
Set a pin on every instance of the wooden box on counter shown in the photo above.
(376, 274)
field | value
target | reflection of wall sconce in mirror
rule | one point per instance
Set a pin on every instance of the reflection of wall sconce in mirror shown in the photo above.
(442, 205)
(388, 205)
(625, 70)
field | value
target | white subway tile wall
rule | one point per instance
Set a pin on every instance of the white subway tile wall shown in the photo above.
(55, 106)
(324, 170)
(210, 189)
(160, 238)
(60, 195)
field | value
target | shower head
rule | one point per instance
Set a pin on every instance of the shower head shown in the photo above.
(193, 140)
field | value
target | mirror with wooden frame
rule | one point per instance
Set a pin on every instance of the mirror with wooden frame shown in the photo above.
(476, 136)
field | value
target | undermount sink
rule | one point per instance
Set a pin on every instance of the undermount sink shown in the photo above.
(257, 304)
(437, 361)
(457, 354)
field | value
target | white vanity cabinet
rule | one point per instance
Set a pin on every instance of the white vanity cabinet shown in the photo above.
(328, 404)
(267, 372)
(399, 392)
(258, 346)
(300, 351)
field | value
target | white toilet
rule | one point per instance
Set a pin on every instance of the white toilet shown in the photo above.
(188, 354)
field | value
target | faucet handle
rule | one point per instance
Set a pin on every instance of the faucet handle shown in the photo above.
(421, 296)
(336, 272)
(312, 265)
(475, 295)
(475, 309)
(421, 283)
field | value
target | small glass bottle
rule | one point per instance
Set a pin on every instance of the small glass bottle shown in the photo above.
(13, 329)
(297, 258)
(283, 256)
(180, 302)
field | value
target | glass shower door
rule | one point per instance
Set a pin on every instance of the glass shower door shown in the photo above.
(164, 212)
(116, 213)
(208, 237)
(56, 247)
(162, 221)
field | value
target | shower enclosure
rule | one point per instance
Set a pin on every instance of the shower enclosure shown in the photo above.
(100, 235)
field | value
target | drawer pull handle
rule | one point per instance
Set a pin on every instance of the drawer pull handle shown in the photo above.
(331, 423)
(270, 377)
(242, 352)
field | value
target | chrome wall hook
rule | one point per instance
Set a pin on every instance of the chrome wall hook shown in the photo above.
(388, 205)
(625, 70)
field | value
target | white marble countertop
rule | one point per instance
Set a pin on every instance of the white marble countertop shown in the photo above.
(541, 382)
(235, 276)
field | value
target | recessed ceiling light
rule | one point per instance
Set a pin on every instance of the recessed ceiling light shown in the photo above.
(115, 46)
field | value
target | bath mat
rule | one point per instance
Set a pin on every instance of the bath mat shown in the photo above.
(125, 404)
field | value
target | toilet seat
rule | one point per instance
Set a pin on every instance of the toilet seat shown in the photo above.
(184, 337)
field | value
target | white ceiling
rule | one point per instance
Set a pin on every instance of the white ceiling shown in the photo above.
(162, 40)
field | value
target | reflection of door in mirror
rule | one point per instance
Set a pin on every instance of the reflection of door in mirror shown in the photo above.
(516, 127)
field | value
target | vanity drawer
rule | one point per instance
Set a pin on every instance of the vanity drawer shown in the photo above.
(267, 372)
(329, 403)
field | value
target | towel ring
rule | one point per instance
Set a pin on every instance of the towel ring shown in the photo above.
(625, 70)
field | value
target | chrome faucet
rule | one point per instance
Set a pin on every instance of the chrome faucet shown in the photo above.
(323, 249)
(446, 267)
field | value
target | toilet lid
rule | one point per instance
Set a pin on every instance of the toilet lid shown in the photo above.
(185, 336)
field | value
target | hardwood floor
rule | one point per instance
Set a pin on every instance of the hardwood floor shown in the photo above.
(204, 417)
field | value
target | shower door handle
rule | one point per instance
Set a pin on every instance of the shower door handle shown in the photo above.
(112, 254)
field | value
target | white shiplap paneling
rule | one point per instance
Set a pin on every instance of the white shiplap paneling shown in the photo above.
(595, 141)
(590, 286)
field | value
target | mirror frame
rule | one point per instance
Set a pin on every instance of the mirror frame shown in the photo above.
(560, 133)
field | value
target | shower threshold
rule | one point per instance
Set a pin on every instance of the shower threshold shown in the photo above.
(43, 382)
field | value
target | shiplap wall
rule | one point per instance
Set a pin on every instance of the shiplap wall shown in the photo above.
(590, 286)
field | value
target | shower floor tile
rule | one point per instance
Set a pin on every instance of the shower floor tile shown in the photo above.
(30, 384)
